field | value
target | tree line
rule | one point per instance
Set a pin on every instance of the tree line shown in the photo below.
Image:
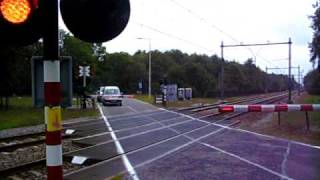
(199, 72)
(312, 79)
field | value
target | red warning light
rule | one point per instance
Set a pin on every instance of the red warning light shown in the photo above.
(15, 11)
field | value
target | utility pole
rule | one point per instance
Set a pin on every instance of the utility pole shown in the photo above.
(149, 87)
(299, 82)
(266, 81)
(256, 44)
(290, 81)
(149, 74)
(222, 74)
(52, 91)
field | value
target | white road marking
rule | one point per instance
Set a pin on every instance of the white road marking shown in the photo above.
(208, 145)
(120, 116)
(173, 150)
(132, 109)
(250, 132)
(285, 158)
(247, 161)
(155, 122)
(284, 176)
(120, 150)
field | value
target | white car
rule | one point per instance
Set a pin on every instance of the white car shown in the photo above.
(111, 95)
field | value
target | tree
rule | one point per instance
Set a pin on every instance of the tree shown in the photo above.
(82, 54)
(315, 44)
(312, 82)
(15, 70)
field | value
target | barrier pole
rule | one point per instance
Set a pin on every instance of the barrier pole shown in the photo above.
(307, 121)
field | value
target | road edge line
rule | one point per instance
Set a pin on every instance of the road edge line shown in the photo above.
(120, 150)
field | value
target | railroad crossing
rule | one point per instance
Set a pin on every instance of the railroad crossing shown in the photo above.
(154, 143)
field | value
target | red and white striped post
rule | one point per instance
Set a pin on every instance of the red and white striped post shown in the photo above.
(52, 90)
(53, 119)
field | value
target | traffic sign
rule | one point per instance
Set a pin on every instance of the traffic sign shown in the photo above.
(84, 71)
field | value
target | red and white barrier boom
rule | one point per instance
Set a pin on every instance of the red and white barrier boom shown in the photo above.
(269, 108)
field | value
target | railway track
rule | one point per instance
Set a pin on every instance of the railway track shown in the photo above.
(23, 156)
(221, 118)
(194, 110)
(214, 105)
(213, 113)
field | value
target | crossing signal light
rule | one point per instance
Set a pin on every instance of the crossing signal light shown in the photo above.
(20, 22)
(95, 20)
(15, 11)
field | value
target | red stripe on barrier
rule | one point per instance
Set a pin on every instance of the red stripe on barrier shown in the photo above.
(53, 138)
(226, 108)
(55, 173)
(306, 107)
(254, 108)
(281, 107)
(52, 93)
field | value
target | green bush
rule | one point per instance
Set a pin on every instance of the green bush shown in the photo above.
(312, 82)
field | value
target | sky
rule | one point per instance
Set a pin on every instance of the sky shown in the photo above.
(199, 26)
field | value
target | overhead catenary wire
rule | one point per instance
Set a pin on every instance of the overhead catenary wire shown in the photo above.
(172, 36)
(204, 20)
(193, 13)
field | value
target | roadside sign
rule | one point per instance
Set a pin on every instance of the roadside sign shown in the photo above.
(84, 71)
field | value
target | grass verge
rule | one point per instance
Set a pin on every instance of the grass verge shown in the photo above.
(292, 126)
(188, 103)
(21, 113)
(177, 104)
(145, 98)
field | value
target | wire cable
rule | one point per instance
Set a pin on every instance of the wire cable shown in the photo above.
(215, 27)
(172, 36)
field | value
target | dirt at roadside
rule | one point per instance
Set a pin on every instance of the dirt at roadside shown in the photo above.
(292, 125)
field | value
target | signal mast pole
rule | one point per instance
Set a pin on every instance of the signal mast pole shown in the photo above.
(52, 91)
(256, 44)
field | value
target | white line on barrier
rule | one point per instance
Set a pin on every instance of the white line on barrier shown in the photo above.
(120, 150)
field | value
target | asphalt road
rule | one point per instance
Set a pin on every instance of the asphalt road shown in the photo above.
(144, 142)
(129, 106)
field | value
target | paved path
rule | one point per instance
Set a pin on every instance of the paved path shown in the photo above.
(150, 143)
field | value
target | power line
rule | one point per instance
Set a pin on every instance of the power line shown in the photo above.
(172, 36)
(214, 27)
(204, 20)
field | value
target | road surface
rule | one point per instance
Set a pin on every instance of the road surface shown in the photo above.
(145, 142)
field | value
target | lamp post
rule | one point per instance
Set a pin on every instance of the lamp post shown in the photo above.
(149, 84)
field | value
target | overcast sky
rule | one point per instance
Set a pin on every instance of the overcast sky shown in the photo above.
(199, 26)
